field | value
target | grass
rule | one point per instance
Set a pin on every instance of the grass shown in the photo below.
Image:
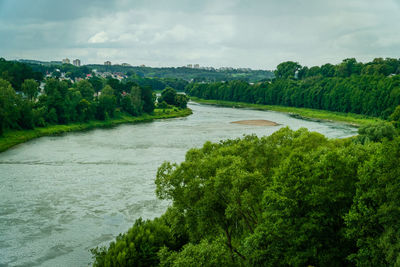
(15, 137)
(304, 113)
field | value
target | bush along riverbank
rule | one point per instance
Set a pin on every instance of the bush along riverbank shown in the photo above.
(14, 137)
(303, 113)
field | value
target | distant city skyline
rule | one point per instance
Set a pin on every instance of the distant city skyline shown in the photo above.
(220, 33)
(78, 63)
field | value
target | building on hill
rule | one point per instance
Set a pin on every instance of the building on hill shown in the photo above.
(66, 61)
(125, 65)
(107, 63)
(77, 62)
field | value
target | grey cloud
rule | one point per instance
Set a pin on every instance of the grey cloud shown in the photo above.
(258, 34)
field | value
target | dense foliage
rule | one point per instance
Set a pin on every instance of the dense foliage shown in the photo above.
(16, 73)
(24, 105)
(158, 84)
(294, 198)
(370, 89)
(170, 97)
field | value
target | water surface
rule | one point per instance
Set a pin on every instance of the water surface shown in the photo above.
(61, 196)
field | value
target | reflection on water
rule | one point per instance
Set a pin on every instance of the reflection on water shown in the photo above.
(61, 196)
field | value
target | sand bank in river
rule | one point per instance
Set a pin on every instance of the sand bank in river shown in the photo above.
(257, 122)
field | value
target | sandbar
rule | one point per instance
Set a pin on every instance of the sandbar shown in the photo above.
(257, 122)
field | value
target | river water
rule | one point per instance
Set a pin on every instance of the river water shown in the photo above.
(61, 196)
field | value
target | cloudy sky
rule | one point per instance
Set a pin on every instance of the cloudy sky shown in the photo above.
(237, 33)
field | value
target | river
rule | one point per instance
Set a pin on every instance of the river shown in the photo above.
(60, 196)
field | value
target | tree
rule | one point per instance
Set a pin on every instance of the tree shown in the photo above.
(9, 111)
(138, 247)
(376, 132)
(30, 88)
(206, 253)
(26, 117)
(56, 74)
(168, 95)
(148, 98)
(107, 103)
(136, 98)
(97, 83)
(287, 69)
(348, 67)
(16, 73)
(56, 92)
(303, 214)
(86, 89)
(328, 70)
(373, 220)
(395, 117)
(181, 100)
(126, 105)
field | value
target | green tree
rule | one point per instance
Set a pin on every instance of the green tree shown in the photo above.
(348, 67)
(328, 70)
(181, 100)
(126, 105)
(206, 253)
(86, 89)
(56, 92)
(395, 117)
(373, 221)
(287, 69)
(376, 132)
(303, 213)
(9, 111)
(138, 247)
(26, 116)
(136, 98)
(97, 83)
(107, 103)
(30, 88)
(168, 95)
(148, 97)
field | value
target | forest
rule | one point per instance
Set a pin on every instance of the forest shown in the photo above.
(371, 89)
(294, 198)
(25, 105)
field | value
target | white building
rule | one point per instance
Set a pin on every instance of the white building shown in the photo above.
(77, 62)
(66, 61)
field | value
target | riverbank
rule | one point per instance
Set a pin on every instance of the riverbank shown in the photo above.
(302, 113)
(13, 138)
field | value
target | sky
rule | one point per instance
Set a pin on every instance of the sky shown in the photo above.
(234, 33)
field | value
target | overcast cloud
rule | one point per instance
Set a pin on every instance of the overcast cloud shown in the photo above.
(256, 34)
